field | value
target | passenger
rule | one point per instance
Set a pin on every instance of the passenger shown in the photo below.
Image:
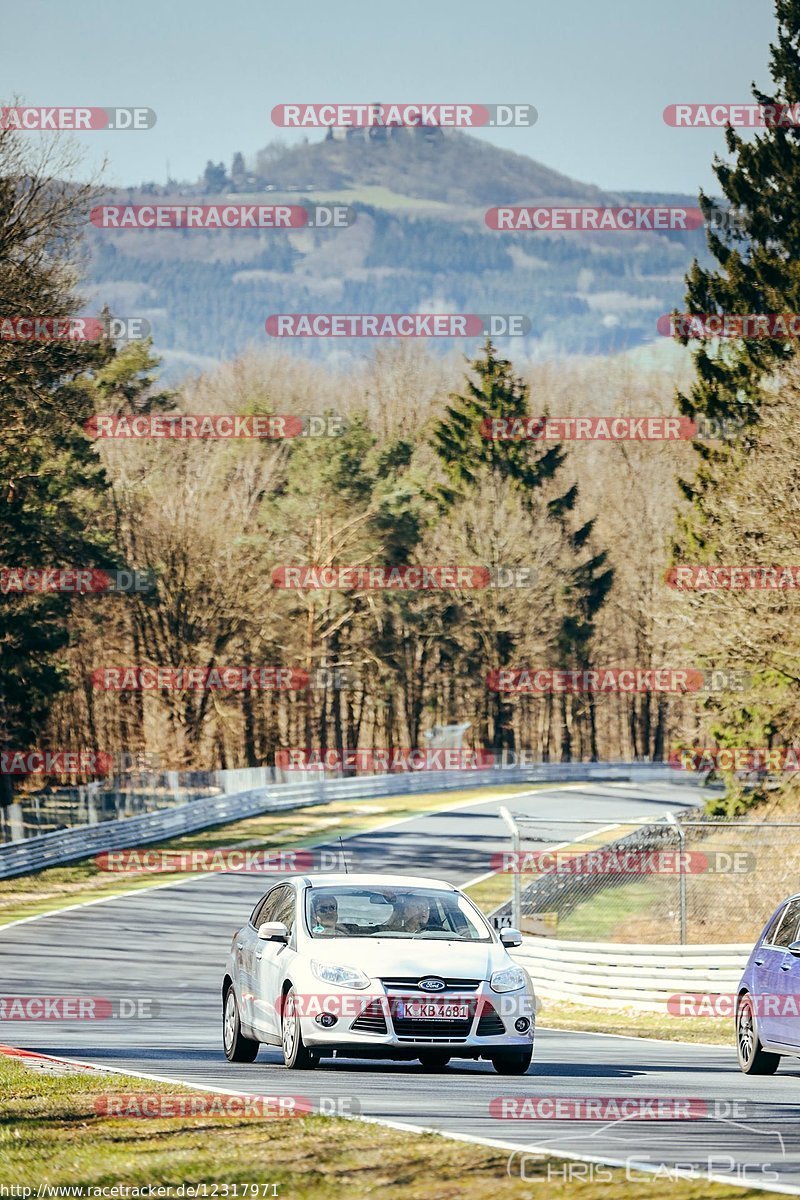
(325, 915)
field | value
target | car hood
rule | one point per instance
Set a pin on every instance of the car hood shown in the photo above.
(398, 958)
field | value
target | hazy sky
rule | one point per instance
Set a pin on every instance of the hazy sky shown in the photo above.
(600, 72)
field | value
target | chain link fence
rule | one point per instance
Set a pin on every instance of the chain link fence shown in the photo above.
(681, 879)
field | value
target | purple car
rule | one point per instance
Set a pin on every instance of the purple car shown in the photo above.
(768, 997)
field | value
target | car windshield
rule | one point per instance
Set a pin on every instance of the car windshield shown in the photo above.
(401, 912)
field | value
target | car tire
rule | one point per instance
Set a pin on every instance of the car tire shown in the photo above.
(434, 1060)
(296, 1054)
(237, 1047)
(512, 1062)
(753, 1058)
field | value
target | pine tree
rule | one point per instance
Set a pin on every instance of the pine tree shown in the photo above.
(758, 273)
(463, 448)
(468, 456)
(759, 250)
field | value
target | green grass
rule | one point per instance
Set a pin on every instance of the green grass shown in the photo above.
(58, 887)
(561, 1014)
(490, 893)
(51, 1133)
(599, 918)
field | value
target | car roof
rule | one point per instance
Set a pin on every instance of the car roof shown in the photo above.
(376, 879)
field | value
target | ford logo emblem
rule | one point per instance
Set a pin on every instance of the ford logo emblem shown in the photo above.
(432, 985)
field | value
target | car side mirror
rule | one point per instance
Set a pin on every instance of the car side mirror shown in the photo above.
(510, 937)
(273, 931)
(794, 948)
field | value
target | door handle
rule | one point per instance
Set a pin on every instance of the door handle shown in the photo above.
(239, 945)
(786, 966)
(258, 956)
(758, 962)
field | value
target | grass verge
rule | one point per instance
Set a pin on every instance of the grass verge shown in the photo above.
(561, 1014)
(51, 1134)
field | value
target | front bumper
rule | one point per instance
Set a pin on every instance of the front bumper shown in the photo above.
(376, 1022)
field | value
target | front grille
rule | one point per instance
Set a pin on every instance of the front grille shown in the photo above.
(412, 982)
(371, 1020)
(490, 1024)
(426, 1030)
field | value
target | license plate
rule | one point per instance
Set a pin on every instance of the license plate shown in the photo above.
(435, 1010)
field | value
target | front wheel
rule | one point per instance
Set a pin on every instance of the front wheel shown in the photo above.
(512, 1062)
(296, 1054)
(238, 1048)
(753, 1058)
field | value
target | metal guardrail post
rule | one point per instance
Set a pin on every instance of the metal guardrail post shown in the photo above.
(516, 894)
(681, 873)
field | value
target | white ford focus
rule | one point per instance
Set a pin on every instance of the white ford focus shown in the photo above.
(379, 966)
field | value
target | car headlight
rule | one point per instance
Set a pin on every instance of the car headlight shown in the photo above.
(341, 976)
(510, 979)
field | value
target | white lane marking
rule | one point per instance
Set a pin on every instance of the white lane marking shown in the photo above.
(473, 1139)
(56, 912)
(487, 875)
(456, 804)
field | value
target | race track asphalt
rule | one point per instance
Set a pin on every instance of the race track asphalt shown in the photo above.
(168, 946)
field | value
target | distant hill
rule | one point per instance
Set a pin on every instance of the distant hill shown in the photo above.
(454, 168)
(419, 243)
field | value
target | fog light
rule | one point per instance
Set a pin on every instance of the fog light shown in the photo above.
(522, 1025)
(326, 1020)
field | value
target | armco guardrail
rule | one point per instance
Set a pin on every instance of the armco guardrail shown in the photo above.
(611, 975)
(69, 845)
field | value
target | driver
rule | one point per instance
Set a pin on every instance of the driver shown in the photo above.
(417, 914)
(411, 915)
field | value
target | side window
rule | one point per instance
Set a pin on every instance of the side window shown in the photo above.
(286, 908)
(786, 932)
(772, 928)
(265, 909)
